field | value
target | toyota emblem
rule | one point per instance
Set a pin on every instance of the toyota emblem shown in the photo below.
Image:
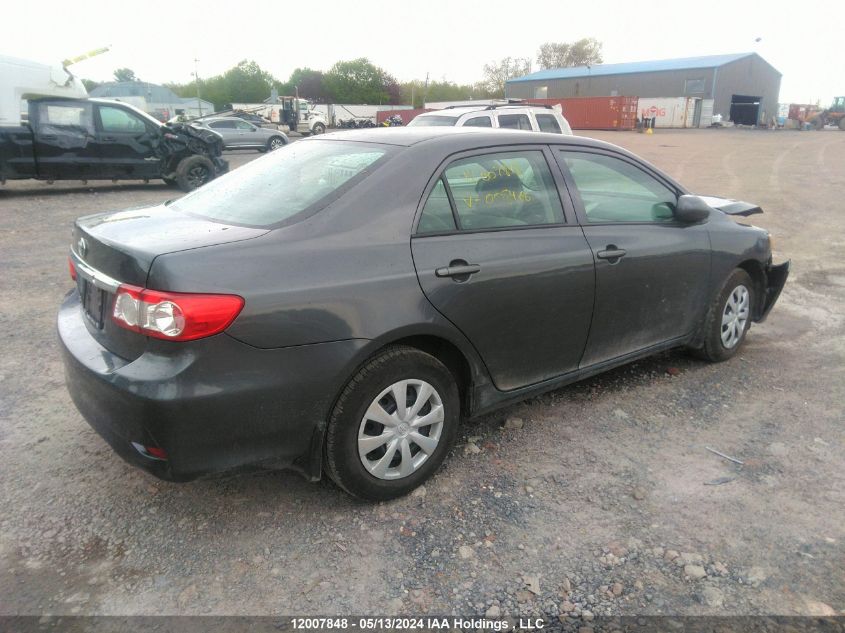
(82, 247)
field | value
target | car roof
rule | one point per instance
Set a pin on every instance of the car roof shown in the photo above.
(459, 137)
(461, 110)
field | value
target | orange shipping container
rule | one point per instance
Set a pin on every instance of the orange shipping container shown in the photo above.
(596, 113)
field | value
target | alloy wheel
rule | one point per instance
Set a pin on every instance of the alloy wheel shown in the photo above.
(401, 429)
(197, 176)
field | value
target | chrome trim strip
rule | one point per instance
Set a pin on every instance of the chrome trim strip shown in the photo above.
(100, 280)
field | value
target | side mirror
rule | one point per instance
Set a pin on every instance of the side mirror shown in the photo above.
(691, 210)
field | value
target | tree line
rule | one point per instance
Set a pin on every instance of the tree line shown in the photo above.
(361, 81)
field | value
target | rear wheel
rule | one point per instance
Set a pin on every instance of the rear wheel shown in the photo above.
(393, 425)
(193, 172)
(728, 318)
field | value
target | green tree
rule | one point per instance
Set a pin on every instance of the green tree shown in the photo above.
(309, 82)
(497, 73)
(584, 52)
(125, 74)
(356, 81)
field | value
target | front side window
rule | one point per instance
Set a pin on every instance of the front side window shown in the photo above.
(243, 125)
(479, 121)
(299, 177)
(117, 120)
(548, 123)
(614, 190)
(515, 121)
(507, 189)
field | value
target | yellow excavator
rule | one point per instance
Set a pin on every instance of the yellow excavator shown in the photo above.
(834, 115)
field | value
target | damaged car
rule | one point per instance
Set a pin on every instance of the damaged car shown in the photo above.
(100, 139)
(340, 305)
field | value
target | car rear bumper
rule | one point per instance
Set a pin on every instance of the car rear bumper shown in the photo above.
(212, 405)
(775, 280)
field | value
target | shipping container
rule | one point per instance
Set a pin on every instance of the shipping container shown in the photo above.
(407, 115)
(596, 113)
(666, 111)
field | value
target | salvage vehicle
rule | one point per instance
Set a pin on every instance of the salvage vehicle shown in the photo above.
(341, 304)
(101, 139)
(540, 118)
(239, 134)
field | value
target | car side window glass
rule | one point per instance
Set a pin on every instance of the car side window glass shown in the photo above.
(614, 190)
(437, 213)
(515, 121)
(548, 123)
(243, 125)
(479, 121)
(119, 120)
(68, 121)
(506, 189)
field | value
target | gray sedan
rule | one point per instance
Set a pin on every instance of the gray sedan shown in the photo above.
(240, 134)
(341, 305)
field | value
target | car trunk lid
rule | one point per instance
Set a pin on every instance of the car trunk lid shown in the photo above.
(119, 248)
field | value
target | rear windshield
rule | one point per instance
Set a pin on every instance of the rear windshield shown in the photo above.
(434, 120)
(303, 176)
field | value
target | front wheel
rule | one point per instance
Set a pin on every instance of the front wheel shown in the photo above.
(319, 128)
(275, 143)
(728, 318)
(393, 425)
(193, 172)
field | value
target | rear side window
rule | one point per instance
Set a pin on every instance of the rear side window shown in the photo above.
(614, 190)
(222, 125)
(479, 121)
(548, 123)
(508, 189)
(437, 212)
(73, 124)
(434, 120)
(300, 177)
(515, 121)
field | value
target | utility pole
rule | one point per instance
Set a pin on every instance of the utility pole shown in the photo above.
(197, 78)
(425, 92)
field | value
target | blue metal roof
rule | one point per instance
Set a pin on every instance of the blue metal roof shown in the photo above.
(708, 61)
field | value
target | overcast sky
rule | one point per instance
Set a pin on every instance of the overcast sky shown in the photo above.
(449, 40)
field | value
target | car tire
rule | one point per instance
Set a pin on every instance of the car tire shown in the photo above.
(370, 396)
(274, 143)
(319, 128)
(728, 318)
(193, 172)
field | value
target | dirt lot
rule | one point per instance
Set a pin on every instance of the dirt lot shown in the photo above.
(605, 501)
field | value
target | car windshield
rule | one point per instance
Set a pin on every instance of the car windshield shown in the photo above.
(434, 120)
(289, 181)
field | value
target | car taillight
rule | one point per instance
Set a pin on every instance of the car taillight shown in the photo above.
(174, 316)
(72, 268)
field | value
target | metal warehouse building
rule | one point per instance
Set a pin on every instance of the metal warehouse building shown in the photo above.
(742, 87)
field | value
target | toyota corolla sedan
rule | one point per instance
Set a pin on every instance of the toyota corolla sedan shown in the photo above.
(340, 305)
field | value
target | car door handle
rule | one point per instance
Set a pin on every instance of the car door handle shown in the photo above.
(611, 252)
(109, 138)
(458, 270)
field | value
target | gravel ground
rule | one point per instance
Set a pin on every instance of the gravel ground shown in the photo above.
(595, 499)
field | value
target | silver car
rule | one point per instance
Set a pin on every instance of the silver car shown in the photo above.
(240, 134)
